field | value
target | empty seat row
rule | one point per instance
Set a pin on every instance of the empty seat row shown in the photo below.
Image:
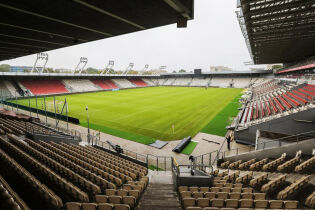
(94, 182)
(120, 175)
(273, 184)
(310, 200)
(288, 165)
(242, 203)
(42, 170)
(231, 176)
(214, 189)
(119, 192)
(223, 195)
(113, 159)
(95, 206)
(235, 164)
(245, 165)
(293, 188)
(258, 165)
(223, 183)
(244, 178)
(258, 180)
(273, 164)
(44, 192)
(116, 199)
(10, 197)
(85, 184)
(306, 165)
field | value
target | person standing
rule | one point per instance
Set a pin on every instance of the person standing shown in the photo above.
(228, 141)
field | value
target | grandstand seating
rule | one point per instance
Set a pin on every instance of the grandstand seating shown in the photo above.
(169, 81)
(241, 82)
(138, 82)
(123, 83)
(198, 82)
(81, 85)
(220, 82)
(182, 82)
(150, 82)
(105, 84)
(79, 175)
(45, 87)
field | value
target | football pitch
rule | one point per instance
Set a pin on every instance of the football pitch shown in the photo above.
(146, 114)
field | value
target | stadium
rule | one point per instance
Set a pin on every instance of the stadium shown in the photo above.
(121, 139)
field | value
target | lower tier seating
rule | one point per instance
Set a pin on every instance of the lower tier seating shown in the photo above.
(45, 87)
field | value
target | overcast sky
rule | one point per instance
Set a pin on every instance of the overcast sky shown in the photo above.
(213, 38)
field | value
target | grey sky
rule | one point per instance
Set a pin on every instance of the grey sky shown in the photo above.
(212, 38)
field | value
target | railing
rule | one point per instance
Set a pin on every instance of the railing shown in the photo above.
(204, 162)
(285, 140)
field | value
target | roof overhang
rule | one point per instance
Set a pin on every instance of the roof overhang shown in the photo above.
(28, 27)
(278, 31)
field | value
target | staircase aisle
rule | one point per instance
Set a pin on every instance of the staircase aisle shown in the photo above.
(160, 194)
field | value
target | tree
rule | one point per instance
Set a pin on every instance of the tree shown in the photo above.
(91, 70)
(277, 66)
(182, 70)
(174, 71)
(5, 68)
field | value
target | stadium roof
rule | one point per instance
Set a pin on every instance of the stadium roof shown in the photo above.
(278, 31)
(28, 27)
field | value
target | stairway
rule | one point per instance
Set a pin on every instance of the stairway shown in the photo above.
(160, 193)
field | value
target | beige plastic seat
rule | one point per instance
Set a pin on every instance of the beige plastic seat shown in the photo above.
(101, 199)
(290, 204)
(231, 203)
(203, 202)
(193, 208)
(89, 206)
(261, 204)
(73, 206)
(121, 207)
(259, 196)
(109, 192)
(122, 192)
(247, 190)
(214, 189)
(247, 196)
(105, 206)
(211, 208)
(275, 204)
(246, 203)
(235, 195)
(216, 202)
(188, 202)
(197, 195)
(204, 189)
(209, 195)
(185, 194)
(134, 193)
(182, 188)
(222, 195)
(236, 190)
(130, 200)
(226, 189)
(193, 189)
(115, 199)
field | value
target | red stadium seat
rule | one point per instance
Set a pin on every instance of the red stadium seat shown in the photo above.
(105, 84)
(138, 82)
(43, 87)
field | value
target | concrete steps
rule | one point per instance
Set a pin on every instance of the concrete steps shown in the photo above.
(160, 194)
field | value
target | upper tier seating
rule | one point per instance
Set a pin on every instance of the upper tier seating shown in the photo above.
(105, 84)
(138, 82)
(45, 87)
(241, 82)
(81, 85)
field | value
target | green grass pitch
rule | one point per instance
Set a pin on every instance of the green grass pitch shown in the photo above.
(146, 114)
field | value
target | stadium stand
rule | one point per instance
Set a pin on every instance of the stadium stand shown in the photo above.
(198, 82)
(105, 84)
(44, 87)
(80, 85)
(123, 83)
(169, 82)
(241, 82)
(150, 82)
(138, 82)
(221, 82)
(182, 82)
